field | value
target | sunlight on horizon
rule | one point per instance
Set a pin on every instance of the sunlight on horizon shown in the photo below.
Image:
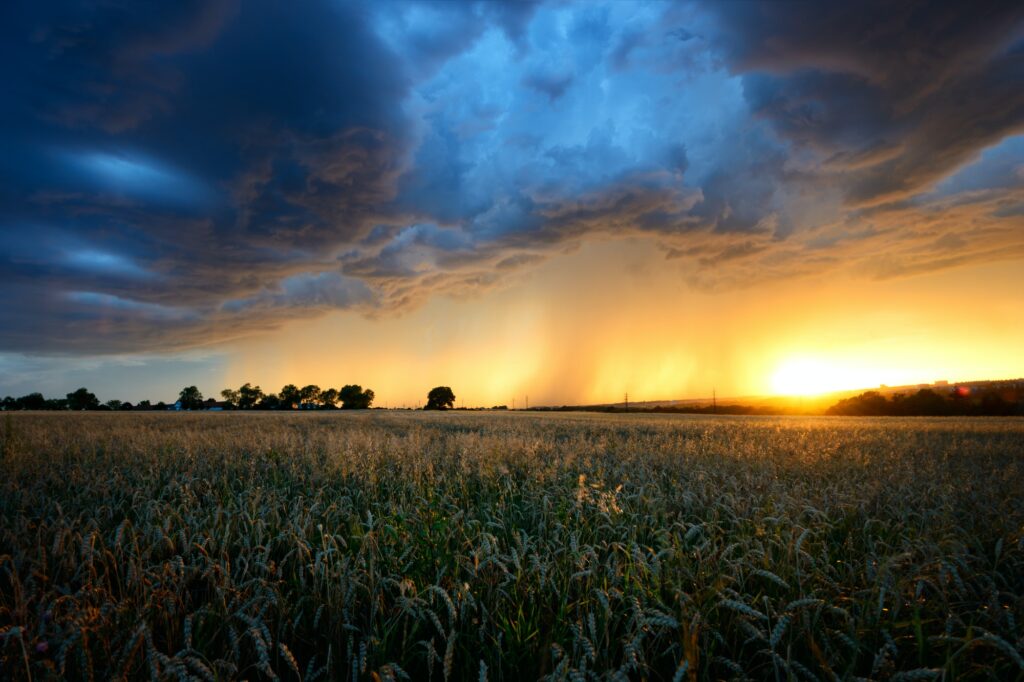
(589, 327)
(808, 376)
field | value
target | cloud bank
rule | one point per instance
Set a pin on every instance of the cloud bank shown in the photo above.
(178, 175)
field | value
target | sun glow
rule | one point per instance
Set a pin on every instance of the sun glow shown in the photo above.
(810, 376)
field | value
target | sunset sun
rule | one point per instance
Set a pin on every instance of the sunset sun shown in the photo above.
(810, 376)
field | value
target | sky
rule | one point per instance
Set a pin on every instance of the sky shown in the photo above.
(563, 200)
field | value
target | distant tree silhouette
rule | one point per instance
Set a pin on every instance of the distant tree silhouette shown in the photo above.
(353, 397)
(870, 404)
(440, 398)
(992, 403)
(961, 401)
(310, 395)
(82, 399)
(290, 396)
(271, 401)
(114, 404)
(923, 403)
(249, 396)
(32, 401)
(191, 398)
(329, 398)
(230, 396)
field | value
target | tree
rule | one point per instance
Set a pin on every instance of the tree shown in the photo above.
(290, 396)
(191, 398)
(230, 396)
(958, 400)
(114, 404)
(440, 398)
(925, 402)
(992, 403)
(270, 401)
(249, 396)
(32, 401)
(82, 399)
(869, 404)
(310, 394)
(353, 397)
(144, 405)
(329, 398)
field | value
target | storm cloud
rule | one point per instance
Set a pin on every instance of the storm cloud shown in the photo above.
(177, 175)
(894, 97)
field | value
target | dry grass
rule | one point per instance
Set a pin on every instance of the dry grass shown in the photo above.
(461, 546)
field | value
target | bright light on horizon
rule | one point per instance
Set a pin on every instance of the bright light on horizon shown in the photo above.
(811, 376)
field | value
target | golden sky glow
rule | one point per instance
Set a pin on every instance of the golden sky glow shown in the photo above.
(614, 317)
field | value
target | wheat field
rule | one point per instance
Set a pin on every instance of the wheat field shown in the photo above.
(451, 546)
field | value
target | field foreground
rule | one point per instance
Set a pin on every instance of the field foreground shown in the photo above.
(510, 546)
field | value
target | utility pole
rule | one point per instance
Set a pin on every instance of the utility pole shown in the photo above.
(626, 401)
(714, 402)
(527, 401)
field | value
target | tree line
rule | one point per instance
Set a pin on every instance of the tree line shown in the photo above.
(245, 397)
(961, 401)
(290, 397)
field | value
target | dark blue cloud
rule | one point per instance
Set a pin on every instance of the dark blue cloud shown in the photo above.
(906, 93)
(202, 151)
